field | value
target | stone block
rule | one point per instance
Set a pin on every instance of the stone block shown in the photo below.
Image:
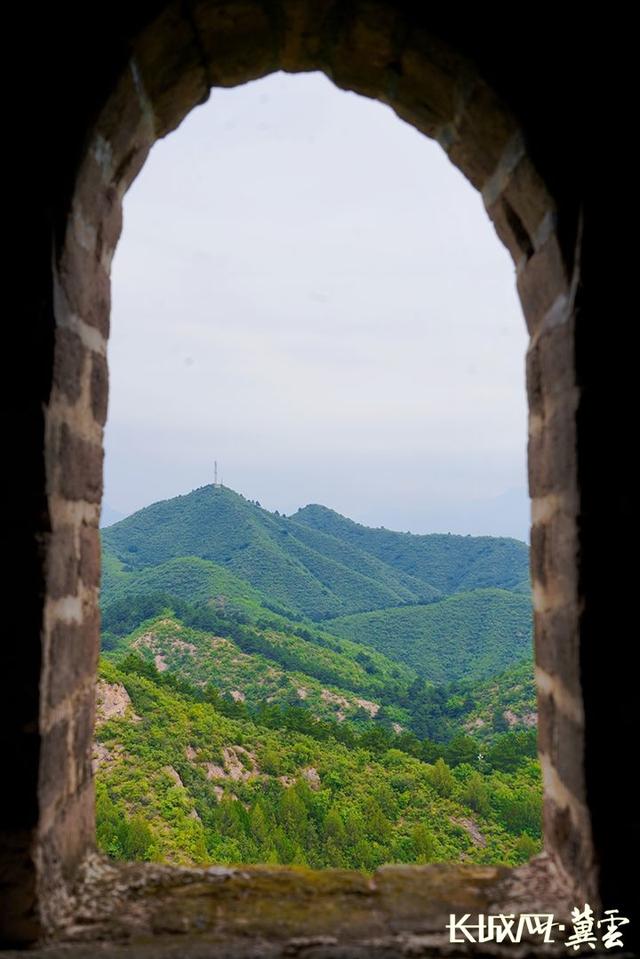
(82, 737)
(528, 196)
(552, 454)
(562, 740)
(557, 645)
(99, 388)
(510, 229)
(171, 66)
(239, 40)
(80, 467)
(55, 762)
(483, 131)
(62, 563)
(90, 555)
(74, 649)
(541, 281)
(85, 281)
(69, 358)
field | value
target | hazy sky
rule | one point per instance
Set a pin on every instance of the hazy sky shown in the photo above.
(309, 292)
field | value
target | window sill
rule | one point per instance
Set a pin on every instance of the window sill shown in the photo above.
(146, 909)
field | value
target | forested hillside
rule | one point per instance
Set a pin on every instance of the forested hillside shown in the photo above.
(471, 634)
(251, 648)
(450, 563)
(338, 569)
(188, 779)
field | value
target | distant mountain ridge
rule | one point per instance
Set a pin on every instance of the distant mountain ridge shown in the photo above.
(452, 563)
(317, 563)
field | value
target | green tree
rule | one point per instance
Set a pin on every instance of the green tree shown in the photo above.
(509, 750)
(137, 839)
(525, 848)
(423, 844)
(441, 778)
(261, 824)
(474, 793)
(376, 824)
(293, 815)
(462, 749)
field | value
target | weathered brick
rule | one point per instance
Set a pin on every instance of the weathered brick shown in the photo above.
(554, 556)
(54, 764)
(423, 85)
(552, 454)
(69, 359)
(107, 214)
(562, 740)
(564, 838)
(92, 179)
(80, 465)
(86, 283)
(303, 33)
(73, 655)
(72, 835)
(364, 45)
(99, 388)
(557, 645)
(169, 59)
(83, 725)
(90, 555)
(535, 392)
(427, 82)
(510, 229)
(484, 130)
(535, 469)
(538, 554)
(556, 359)
(238, 39)
(120, 144)
(561, 554)
(62, 563)
(528, 196)
(541, 281)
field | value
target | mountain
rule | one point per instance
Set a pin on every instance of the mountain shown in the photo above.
(269, 663)
(299, 567)
(449, 563)
(504, 701)
(444, 606)
(316, 563)
(304, 689)
(187, 577)
(184, 778)
(474, 634)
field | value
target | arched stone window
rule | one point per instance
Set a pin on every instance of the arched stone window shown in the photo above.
(150, 69)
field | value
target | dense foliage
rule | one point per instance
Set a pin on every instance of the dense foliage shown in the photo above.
(469, 634)
(323, 572)
(181, 780)
(451, 564)
(307, 690)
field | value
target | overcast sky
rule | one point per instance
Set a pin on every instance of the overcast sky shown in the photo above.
(309, 292)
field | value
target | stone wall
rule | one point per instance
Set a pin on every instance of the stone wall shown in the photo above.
(111, 97)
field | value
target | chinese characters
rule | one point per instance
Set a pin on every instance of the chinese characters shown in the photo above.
(587, 932)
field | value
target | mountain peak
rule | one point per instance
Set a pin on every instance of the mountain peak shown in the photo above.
(316, 562)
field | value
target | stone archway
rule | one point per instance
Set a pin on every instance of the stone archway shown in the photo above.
(378, 49)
